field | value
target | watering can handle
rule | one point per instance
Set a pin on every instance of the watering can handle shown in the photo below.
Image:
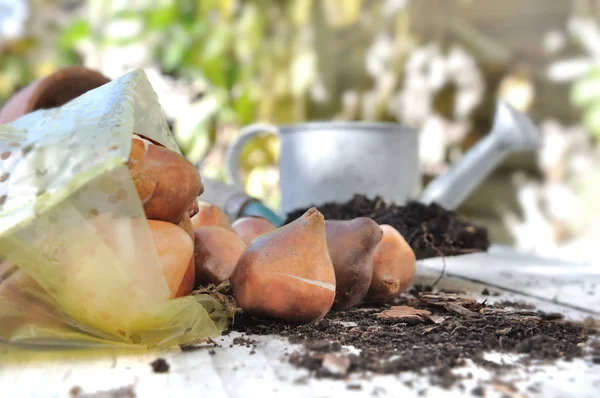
(232, 157)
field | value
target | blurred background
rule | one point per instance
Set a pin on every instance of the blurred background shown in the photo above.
(439, 65)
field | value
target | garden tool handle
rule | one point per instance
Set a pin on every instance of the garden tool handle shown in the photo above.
(232, 157)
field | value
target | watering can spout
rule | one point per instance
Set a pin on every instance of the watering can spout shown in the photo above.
(512, 131)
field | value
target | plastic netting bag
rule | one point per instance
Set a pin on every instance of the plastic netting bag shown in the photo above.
(79, 266)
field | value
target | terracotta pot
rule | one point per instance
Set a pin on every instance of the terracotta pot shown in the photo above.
(52, 91)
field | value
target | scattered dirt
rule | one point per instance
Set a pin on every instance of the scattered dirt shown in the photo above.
(486, 292)
(244, 342)
(425, 332)
(430, 230)
(160, 366)
(211, 345)
(478, 391)
(596, 352)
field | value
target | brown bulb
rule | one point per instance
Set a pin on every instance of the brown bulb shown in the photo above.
(249, 228)
(216, 253)
(175, 250)
(209, 215)
(287, 273)
(166, 182)
(189, 278)
(394, 265)
(351, 245)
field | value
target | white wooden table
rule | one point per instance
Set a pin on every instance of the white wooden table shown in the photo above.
(571, 289)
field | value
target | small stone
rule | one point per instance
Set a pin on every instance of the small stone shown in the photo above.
(27, 149)
(322, 345)
(551, 316)
(354, 386)
(75, 391)
(336, 364)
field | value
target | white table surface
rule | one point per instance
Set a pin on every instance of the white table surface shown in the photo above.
(571, 289)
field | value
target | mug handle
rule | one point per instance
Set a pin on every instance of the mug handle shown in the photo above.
(232, 157)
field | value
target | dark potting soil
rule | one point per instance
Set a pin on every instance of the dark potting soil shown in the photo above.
(452, 329)
(430, 230)
(160, 365)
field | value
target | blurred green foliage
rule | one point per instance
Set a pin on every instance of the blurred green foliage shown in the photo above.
(254, 60)
(14, 69)
(248, 60)
(585, 93)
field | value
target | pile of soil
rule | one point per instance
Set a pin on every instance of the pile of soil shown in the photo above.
(430, 230)
(425, 332)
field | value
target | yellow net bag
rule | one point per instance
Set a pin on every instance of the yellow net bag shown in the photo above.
(79, 266)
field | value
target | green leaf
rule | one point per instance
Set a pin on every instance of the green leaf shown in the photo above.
(160, 18)
(200, 113)
(215, 72)
(205, 7)
(249, 32)
(228, 115)
(126, 14)
(199, 29)
(121, 42)
(187, 11)
(202, 141)
(69, 57)
(300, 11)
(587, 89)
(245, 106)
(175, 51)
(219, 42)
(591, 119)
(75, 32)
(173, 57)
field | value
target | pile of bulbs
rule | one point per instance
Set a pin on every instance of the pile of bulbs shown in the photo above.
(296, 273)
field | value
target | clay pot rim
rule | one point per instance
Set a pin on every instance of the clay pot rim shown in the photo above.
(45, 84)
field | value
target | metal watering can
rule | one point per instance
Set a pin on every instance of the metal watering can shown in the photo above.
(332, 161)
